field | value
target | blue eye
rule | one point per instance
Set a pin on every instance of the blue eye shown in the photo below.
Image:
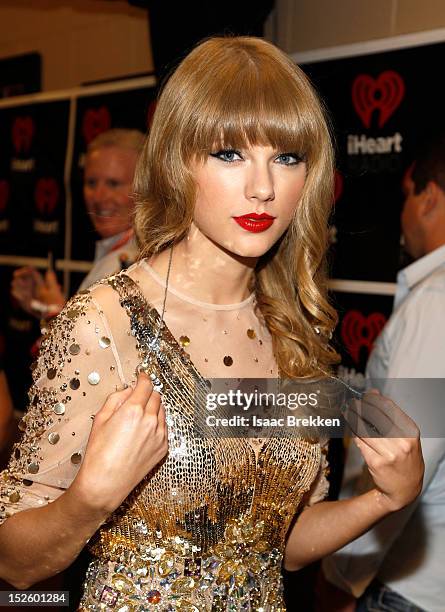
(227, 155)
(289, 159)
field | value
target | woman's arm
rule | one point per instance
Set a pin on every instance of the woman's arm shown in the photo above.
(328, 526)
(129, 431)
(85, 445)
(396, 466)
(41, 542)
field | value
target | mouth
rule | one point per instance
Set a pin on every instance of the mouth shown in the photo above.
(253, 222)
(102, 213)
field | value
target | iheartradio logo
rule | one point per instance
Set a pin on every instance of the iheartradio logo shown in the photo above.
(46, 196)
(358, 331)
(22, 134)
(4, 195)
(95, 121)
(385, 93)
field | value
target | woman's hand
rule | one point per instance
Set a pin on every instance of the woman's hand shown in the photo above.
(395, 461)
(127, 440)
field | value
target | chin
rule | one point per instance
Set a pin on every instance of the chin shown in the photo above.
(106, 232)
(253, 250)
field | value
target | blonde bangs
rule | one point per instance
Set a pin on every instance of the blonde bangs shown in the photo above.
(242, 102)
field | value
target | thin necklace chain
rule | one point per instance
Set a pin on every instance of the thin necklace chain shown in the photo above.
(165, 294)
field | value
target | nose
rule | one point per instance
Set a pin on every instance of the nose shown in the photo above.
(99, 193)
(260, 182)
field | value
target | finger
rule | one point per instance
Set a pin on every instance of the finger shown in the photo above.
(162, 421)
(390, 448)
(402, 425)
(368, 453)
(37, 277)
(142, 391)
(154, 405)
(112, 403)
(370, 420)
(22, 272)
(51, 279)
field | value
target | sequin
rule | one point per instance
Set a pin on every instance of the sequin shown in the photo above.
(71, 314)
(74, 349)
(184, 340)
(153, 596)
(228, 361)
(53, 437)
(122, 583)
(94, 378)
(76, 458)
(74, 384)
(104, 342)
(251, 334)
(33, 468)
(109, 596)
(14, 497)
(166, 564)
(51, 373)
(183, 585)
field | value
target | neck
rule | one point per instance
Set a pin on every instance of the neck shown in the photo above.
(206, 272)
(434, 242)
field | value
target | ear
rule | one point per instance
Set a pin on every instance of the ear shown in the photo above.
(432, 198)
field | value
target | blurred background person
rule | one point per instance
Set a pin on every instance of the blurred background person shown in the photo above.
(108, 179)
(398, 565)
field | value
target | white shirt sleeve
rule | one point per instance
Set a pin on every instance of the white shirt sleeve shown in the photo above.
(412, 347)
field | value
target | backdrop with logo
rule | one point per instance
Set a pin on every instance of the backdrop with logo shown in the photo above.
(382, 105)
(42, 214)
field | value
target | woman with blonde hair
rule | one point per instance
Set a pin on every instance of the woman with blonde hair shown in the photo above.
(234, 189)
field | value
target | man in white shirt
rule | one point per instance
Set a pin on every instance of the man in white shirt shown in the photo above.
(398, 565)
(108, 183)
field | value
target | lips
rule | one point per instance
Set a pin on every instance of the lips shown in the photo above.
(253, 222)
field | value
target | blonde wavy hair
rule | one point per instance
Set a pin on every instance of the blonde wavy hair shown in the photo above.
(236, 92)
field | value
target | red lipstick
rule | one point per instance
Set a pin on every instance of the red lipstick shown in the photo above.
(253, 222)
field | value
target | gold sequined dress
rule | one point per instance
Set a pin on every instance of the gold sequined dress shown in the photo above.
(206, 529)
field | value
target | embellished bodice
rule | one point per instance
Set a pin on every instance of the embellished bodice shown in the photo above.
(206, 529)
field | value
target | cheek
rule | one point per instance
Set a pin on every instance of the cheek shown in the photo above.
(291, 195)
(88, 198)
(406, 218)
(123, 200)
(213, 199)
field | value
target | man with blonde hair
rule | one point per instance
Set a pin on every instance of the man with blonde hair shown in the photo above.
(108, 179)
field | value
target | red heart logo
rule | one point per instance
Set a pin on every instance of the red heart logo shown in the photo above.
(22, 134)
(95, 121)
(4, 194)
(358, 330)
(338, 186)
(46, 196)
(384, 93)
